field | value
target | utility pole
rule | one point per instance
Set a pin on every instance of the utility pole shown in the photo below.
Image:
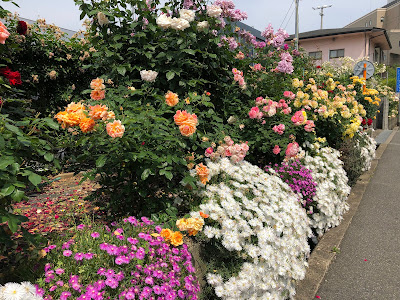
(297, 25)
(322, 11)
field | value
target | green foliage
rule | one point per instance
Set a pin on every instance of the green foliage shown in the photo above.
(22, 154)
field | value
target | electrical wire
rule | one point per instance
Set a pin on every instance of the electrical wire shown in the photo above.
(286, 14)
(289, 19)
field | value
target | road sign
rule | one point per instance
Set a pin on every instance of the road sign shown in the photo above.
(398, 80)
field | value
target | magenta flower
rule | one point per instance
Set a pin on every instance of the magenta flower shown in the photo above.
(81, 226)
(88, 256)
(65, 295)
(79, 256)
(95, 235)
(59, 271)
(67, 253)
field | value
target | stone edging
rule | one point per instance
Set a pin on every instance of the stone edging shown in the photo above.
(322, 255)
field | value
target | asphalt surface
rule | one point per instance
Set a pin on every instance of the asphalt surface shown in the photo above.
(368, 265)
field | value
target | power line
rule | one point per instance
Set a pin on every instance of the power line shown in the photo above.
(289, 19)
(286, 14)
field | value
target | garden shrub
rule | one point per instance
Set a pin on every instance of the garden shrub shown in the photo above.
(255, 217)
(128, 260)
(357, 155)
(332, 188)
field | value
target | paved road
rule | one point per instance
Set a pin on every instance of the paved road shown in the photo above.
(368, 266)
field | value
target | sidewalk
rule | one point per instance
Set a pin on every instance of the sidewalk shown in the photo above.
(368, 265)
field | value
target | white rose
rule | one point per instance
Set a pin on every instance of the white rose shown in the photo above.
(164, 22)
(148, 75)
(179, 24)
(214, 11)
(102, 19)
(202, 25)
(187, 14)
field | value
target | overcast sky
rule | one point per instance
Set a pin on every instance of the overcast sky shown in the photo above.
(65, 14)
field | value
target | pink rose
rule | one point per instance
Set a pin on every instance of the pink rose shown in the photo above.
(209, 152)
(257, 67)
(4, 34)
(309, 127)
(279, 129)
(299, 118)
(292, 150)
(255, 113)
(276, 150)
(289, 94)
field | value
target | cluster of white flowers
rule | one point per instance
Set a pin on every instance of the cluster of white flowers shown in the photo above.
(19, 291)
(148, 75)
(332, 188)
(202, 25)
(367, 146)
(214, 11)
(181, 23)
(258, 216)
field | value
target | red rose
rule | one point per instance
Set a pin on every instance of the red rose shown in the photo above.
(22, 27)
(364, 122)
(369, 122)
(318, 67)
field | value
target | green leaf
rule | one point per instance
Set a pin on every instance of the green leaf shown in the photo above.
(121, 70)
(17, 195)
(34, 178)
(170, 75)
(2, 142)
(189, 51)
(13, 129)
(145, 174)
(101, 161)
(49, 156)
(50, 122)
(5, 162)
(7, 189)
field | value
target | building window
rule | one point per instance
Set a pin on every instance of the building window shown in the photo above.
(315, 55)
(336, 53)
(370, 23)
(366, 24)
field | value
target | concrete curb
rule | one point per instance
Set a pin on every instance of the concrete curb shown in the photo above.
(322, 255)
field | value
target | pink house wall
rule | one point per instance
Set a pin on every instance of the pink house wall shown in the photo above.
(355, 45)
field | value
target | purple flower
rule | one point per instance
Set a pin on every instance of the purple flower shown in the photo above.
(81, 226)
(65, 295)
(79, 256)
(59, 271)
(88, 255)
(95, 235)
(111, 282)
(67, 253)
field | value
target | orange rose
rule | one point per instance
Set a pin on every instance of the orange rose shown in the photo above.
(177, 239)
(202, 172)
(115, 129)
(182, 224)
(192, 232)
(203, 215)
(98, 94)
(180, 117)
(110, 115)
(61, 116)
(191, 121)
(166, 234)
(98, 112)
(97, 84)
(171, 98)
(187, 130)
(74, 118)
(87, 125)
(75, 107)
